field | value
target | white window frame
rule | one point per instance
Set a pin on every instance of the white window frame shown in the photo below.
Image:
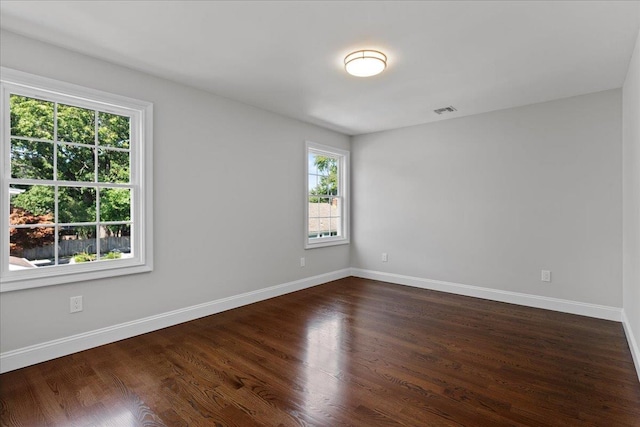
(141, 174)
(343, 190)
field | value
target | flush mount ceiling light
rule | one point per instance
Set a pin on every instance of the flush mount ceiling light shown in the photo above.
(365, 63)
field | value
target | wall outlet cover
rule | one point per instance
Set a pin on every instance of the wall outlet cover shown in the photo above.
(75, 304)
(546, 276)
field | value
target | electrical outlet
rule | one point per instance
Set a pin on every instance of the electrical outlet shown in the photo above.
(303, 262)
(385, 257)
(545, 276)
(75, 304)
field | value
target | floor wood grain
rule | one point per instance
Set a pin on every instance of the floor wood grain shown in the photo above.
(353, 352)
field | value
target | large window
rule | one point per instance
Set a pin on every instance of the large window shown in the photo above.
(75, 183)
(327, 213)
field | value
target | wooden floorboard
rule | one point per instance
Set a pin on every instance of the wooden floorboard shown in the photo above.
(353, 352)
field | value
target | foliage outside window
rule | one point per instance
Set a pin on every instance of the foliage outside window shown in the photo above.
(73, 182)
(326, 194)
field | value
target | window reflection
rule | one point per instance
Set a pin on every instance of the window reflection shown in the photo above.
(323, 361)
(124, 419)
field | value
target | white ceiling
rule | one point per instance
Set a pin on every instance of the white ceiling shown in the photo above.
(287, 57)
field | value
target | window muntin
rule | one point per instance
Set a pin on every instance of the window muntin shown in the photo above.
(326, 189)
(75, 183)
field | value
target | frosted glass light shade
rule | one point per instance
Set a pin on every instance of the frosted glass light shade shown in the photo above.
(365, 63)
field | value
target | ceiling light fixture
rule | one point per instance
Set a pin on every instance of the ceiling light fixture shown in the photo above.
(365, 63)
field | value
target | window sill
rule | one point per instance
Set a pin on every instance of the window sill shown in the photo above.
(326, 243)
(15, 282)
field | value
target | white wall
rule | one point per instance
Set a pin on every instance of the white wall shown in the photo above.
(227, 204)
(490, 200)
(631, 202)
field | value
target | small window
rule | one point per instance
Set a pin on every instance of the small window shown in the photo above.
(327, 204)
(76, 183)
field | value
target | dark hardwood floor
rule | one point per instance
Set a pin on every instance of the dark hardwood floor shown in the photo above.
(350, 352)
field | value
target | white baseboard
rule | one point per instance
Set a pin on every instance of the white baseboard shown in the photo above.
(31, 355)
(633, 344)
(565, 306)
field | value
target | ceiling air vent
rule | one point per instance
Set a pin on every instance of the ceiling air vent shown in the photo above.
(443, 110)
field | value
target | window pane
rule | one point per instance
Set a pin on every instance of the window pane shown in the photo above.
(332, 185)
(334, 206)
(31, 117)
(31, 159)
(31, 204)
(327, 180)
(115, 241)
(325, 165)
(314, 228)
(76, 124)
(113, 130)
(76, 204)
(75, 163)
(324, 207)
(334, 226)
(314, 199)
(330, 166)
(115, 204)
(323, 226)
(313, 183)
(113, 166)
(35, 245)
(314, 210)
(77, 244)
(312, 164)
